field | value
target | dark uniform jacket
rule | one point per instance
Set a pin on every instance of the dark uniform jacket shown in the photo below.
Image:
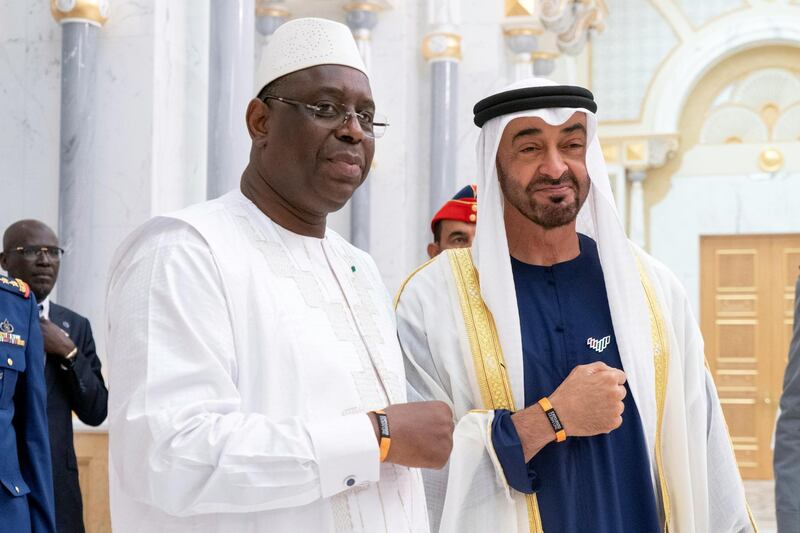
(80, 389)
(26, 494)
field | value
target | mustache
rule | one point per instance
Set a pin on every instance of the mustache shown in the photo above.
(567, 178)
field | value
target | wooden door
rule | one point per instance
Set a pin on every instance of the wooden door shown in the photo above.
(747, 295)
(92, 452)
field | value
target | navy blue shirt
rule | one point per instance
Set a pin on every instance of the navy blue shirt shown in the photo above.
(601, 483)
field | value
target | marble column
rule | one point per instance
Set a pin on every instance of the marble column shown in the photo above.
(80, 21)
(544, 63)
(442, 49)
(230, 88)
(270, 14)
(522, 41)
(636, 231)
(361, 18)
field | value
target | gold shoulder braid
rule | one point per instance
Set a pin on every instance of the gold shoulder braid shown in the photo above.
(661, 364)
(490, 368)
(487, 354)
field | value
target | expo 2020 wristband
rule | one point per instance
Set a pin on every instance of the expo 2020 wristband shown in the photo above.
(552, 417)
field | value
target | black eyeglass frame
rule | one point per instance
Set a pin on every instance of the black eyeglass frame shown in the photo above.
(315, 109)
(31, 252)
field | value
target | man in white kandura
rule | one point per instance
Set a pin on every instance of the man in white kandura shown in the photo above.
(256, 379)
(570, 357)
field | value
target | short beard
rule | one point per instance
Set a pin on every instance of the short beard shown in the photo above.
(549, 214)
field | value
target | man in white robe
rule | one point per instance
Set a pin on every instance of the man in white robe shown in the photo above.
(460, 329)
(250, 346)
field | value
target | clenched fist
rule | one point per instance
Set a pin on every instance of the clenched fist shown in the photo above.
(589, 401)
(422, 433)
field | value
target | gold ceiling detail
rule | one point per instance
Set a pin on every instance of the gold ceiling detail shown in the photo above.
(520, 8)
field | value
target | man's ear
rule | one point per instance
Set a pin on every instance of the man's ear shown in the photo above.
(433, 250)
(256, 119)
(3, 261)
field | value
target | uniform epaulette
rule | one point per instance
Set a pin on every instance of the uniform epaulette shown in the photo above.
(17, 286)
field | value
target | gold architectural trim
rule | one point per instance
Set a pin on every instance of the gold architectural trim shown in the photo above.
(514, 31)
(661, 365)
(520, 8)
(700, 99)
(272, 11)
(545, 55)
(610, 152)
(770, 112)
(441, 45)
(636, 152)
(770, 159)
(363, 6)
(487, 354)
(93, 12)
(743, 7)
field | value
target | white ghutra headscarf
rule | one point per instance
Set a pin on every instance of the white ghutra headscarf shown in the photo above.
(597, 219)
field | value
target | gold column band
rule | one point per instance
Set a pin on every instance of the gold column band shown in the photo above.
(90, 11)
(442, 46)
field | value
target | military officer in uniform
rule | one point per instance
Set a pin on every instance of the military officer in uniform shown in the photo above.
(26, 494)
(72, 375)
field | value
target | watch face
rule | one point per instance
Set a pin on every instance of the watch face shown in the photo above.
(383, 424)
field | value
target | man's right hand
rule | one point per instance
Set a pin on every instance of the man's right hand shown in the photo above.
(421, 433)
(589, 401)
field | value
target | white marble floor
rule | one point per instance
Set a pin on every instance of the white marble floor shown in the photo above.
(761, 497)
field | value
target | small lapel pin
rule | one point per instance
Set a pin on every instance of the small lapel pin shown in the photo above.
(598, 345)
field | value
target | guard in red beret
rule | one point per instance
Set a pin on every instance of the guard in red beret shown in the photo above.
(454, 225)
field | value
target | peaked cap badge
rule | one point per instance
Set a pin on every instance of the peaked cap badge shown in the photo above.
(598, 345)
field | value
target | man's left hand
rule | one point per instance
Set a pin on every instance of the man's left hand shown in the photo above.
(56, 340)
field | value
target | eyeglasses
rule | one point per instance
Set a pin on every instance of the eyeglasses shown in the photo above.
(30, 253)
(333, 116)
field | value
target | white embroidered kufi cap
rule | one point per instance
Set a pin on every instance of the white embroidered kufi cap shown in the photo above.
(309, 42)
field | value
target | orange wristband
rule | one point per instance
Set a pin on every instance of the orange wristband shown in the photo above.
(383, 429)
(552, 417)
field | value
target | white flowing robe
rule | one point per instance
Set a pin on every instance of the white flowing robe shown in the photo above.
(704, 488)
(243, 359)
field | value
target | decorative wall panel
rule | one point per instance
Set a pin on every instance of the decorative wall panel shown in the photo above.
(626, 56)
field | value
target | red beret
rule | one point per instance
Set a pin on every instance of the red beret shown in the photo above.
(463, 206)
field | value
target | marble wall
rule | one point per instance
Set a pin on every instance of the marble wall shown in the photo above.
(30, 85)
(626, 56)
(149, 155)
(738, 205)
(700, 13)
